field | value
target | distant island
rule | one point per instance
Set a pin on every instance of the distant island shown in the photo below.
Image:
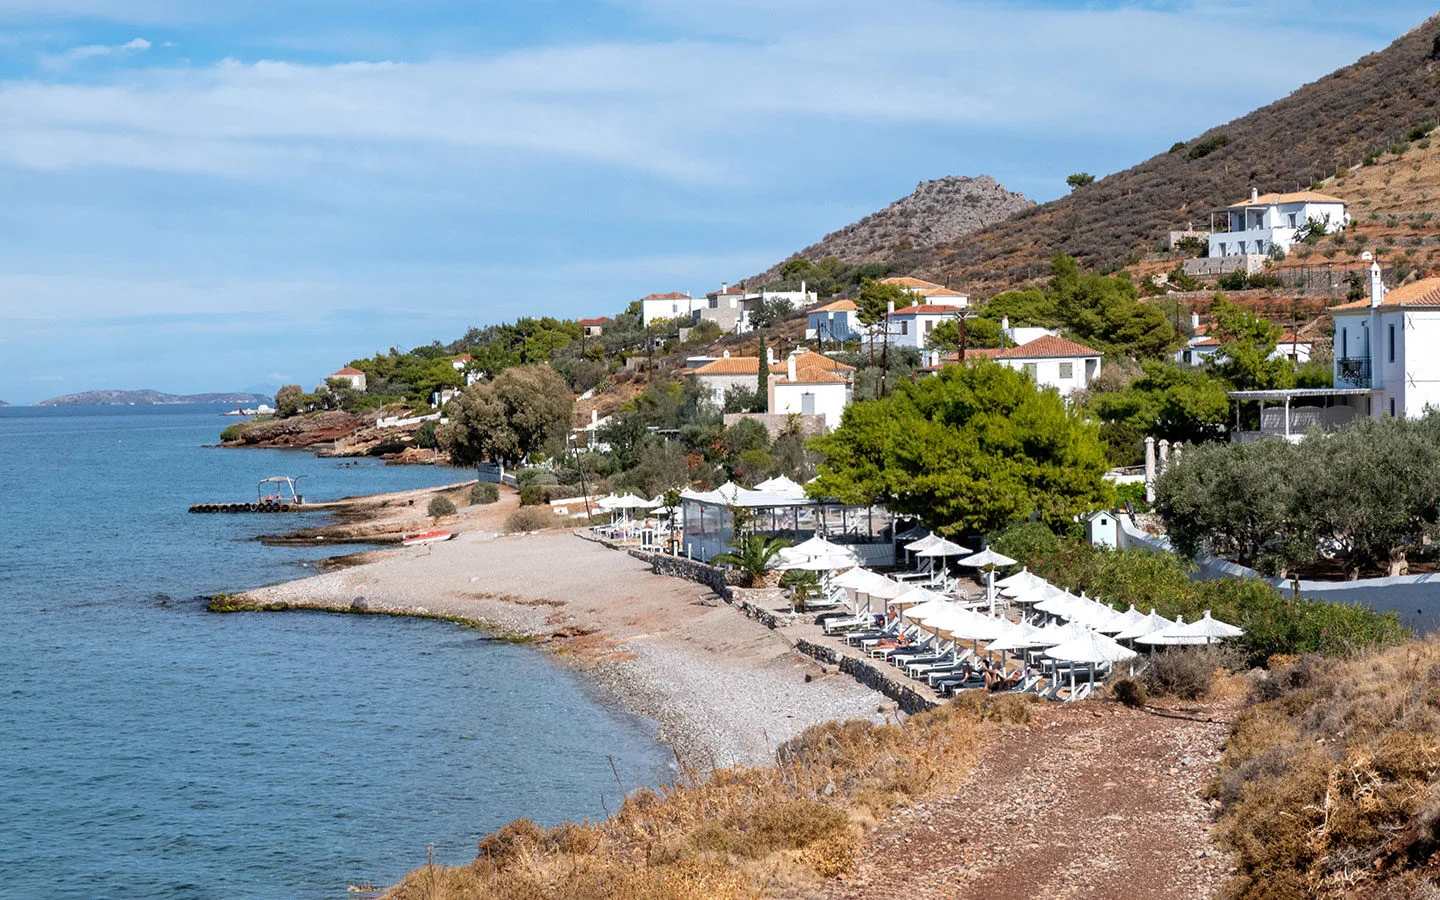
(149, 398)
(3, 403)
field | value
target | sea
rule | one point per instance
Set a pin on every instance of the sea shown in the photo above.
(149, 748)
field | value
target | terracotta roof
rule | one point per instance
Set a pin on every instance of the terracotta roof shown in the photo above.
(1048, 347)
(812, 376)
(599, 320)
(732, 289)
(1207, 342)
(927, 309)
(1293, 338)
(1422, 293)
(1295, 197)
(906, 281)
(673, 295)
(464, 357)
(938, 292)
(349, 370)
(837, 306)
(750, 365)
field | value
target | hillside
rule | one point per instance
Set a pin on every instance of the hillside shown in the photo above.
(938, 212)
(147, 397)
(1331, 123)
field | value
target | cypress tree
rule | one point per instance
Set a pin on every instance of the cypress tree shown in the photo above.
(762, 390)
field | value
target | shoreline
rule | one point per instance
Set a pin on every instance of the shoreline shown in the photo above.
(723, 689)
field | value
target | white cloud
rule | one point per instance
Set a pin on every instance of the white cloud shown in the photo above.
(76, 55)
(687, 110)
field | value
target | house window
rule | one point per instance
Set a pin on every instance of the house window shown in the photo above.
(1222, 248)
(1292, 220)
(929, 325)
(1242, 248)
(1392, 407)
(1032, 370)
(1344, 344)
(904, 327)
(807, 404)
(1390, 343)
(1067, 370)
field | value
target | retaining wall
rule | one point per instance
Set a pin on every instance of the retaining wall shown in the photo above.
(877, 679)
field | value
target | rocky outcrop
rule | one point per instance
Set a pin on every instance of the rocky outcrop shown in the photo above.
(938, 212)
(299, 431)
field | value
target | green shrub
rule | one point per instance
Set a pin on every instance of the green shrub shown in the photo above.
(484, 492)
(440, 507)
(1184, 673)
(1208, 146)
(234, 431)
(532, 495)
(425, 436)
(1420, 131)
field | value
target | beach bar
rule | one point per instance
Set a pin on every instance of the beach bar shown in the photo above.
(782, 511)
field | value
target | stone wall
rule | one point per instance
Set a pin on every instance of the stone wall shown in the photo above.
(873, 677)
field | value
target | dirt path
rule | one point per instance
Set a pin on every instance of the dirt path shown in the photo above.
(1092, 801)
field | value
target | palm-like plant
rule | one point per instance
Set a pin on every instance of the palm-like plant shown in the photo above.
(804, 585)
(751, 554)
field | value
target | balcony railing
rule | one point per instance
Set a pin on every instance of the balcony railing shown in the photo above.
(1353, 370)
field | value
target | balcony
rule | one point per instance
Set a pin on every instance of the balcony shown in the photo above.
(1353, 371)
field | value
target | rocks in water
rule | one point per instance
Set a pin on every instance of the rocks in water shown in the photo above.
(359, 604)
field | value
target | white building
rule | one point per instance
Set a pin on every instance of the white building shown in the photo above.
(811, 388)
(833, 322)
(733, 307)
(929, 291)
(352, 375)
(911, 326)
(1050, 361)
(673, 305)
(721, 375)
(1267, 221)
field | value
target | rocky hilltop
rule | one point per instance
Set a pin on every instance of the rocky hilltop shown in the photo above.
(144, 398)
(938, 212)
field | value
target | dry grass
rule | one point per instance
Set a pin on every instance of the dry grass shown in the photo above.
(734, 832)
(1329, 784)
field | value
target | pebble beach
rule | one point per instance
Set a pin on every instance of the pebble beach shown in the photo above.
(724, 689)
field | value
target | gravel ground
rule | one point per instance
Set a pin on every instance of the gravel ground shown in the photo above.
(1092, 801)
(724, 689)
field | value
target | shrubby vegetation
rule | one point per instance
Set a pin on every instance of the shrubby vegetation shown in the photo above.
(969, 449)
(522, 410)
(1367, 495)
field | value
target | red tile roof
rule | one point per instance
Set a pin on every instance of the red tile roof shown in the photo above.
(599, 320)
(1422, 293)
(349, 370)
(812, 375)
(1048, 347)
(928, 309)
(837, 306)
(1296, 197)
(750, 365)
(673, 295)
(908, 282)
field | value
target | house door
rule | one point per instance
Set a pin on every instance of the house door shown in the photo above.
(807, 404)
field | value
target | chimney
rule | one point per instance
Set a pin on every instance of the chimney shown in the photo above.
(890, 306)
(1004, 323)
(790, 368)
(594, 416)
(1377, 285)
(724, 286)
(727, 354)
(1254, 195)
(1194, 321)
(770, 355)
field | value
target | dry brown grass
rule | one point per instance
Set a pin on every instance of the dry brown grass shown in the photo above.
(738, 832)
(1329, 784)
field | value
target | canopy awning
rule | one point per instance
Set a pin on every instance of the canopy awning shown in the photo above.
(1281, 395)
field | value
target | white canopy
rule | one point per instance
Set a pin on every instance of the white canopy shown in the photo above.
(1148, 625)
(916, 596)
(986, 557)
(1202, 631)
(1055, 634)
(782, 485)
(1127, 619)
(828, 562)
(914, 533)
(1038, 594)
(963, 624)
(920, 612)
(943, 548)
(1021, 580)
(1090, 647)
(924, 543)
(818, 546)
(864, 581)
(1060, 603)
(1019, 636)
(630, 501)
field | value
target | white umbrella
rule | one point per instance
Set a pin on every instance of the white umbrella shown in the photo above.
(1021, 580)
(827, 563)
(1019, 636)
(780, 485)
(914, 533)
(988, 559)
(1054, 634)
(923, 543)
(1127, 619)
(942, 549)
(630, 501)
(1148, 625)
(818, 546)
(1060, 604)
(871, 584)
(1202, 631)
(1213, 628)
(1090, 647)
(915, 596)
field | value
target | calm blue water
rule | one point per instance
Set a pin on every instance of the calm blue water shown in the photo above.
(151, 749)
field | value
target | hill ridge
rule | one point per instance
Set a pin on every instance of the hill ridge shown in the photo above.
(148, 397)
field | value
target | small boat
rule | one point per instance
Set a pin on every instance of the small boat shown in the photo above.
(428, 537)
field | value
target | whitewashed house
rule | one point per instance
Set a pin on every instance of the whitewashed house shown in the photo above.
(812, 388)
(911, 326)
(732, 307)
(354, 376)
(929, 291)
(833, 322)
(1268, 221)
(721, 375)
(673, 305)
(1050, 361)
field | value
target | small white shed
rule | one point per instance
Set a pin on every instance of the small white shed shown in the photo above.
(1102, 529)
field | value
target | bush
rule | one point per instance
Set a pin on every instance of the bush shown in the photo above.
(425, 436)
(532, 495)
(484, 492)
(531, 519)
(233, 432)
(1207, 146)
(1183, 673)
(1129, 692)
(440, 507)
(1420, 131)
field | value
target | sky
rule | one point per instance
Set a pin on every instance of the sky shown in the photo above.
(200, 196)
